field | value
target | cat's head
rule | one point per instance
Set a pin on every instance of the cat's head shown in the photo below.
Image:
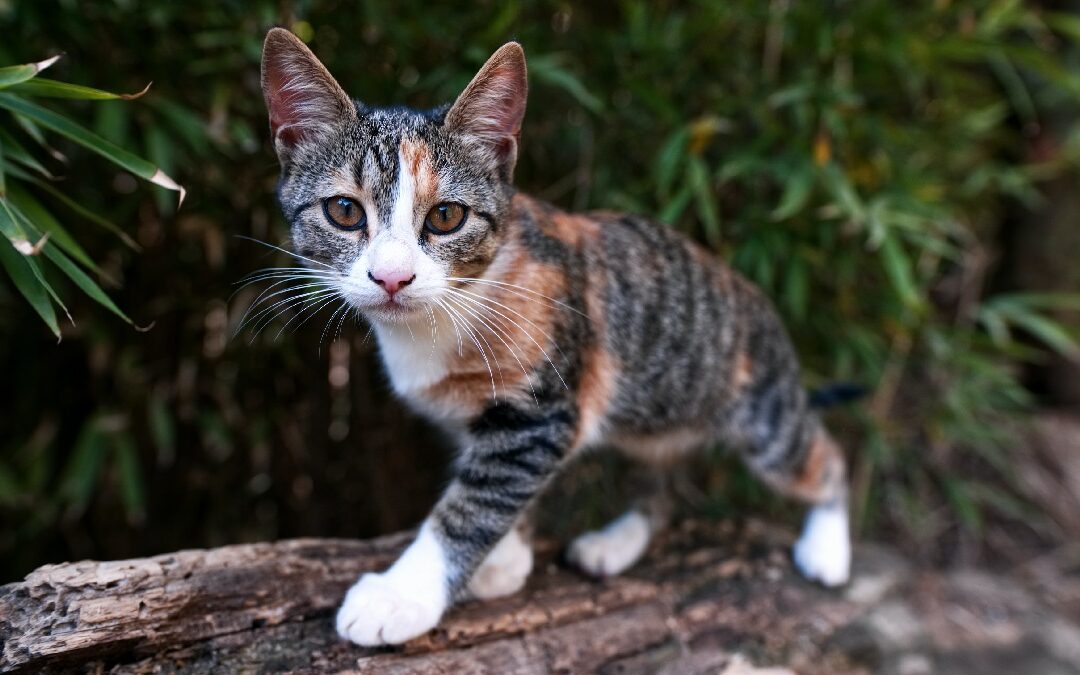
(392, 203)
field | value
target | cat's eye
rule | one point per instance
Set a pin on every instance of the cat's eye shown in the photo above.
(345, 213)
(445, 218)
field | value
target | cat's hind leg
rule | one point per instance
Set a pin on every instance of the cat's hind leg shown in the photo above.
(823, 551)
(506, 567)
(621, 543)
(812, 470)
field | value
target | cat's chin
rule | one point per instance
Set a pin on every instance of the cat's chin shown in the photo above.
(393, 313)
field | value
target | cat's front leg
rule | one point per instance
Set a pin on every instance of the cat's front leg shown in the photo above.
(512, 451)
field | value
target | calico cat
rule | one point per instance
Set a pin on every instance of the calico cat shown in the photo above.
(530, 334)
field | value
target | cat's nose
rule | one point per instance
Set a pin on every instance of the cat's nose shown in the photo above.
(391, 281)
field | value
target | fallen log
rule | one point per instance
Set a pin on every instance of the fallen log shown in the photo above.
(708, 598)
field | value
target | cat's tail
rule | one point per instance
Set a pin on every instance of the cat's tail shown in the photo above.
(835, 394)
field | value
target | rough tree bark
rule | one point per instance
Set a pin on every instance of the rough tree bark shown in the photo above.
(709, 598)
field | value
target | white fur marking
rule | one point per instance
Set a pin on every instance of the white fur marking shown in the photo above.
(414, 358)
(505, 568)
(615, 548)
(402, 603)
(823, 552)
(403, 218)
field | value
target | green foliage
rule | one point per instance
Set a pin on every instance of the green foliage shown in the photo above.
(24, 221)
(855, 159)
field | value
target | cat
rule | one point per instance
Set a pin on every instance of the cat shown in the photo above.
(530, 335)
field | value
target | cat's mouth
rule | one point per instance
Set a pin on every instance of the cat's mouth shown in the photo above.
(393, 310)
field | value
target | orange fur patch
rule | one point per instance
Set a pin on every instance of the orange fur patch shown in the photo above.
(744, 370)
(569, 228)
(514, 328)
(595, 391)
(821, 473)
(417, 156)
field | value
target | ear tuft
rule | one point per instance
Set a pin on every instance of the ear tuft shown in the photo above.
(303, 99)
(492, 107)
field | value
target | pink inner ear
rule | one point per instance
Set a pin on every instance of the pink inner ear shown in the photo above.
(286, 119)
(286, 123)
(504, 107)
(492, 107)
(301, 96)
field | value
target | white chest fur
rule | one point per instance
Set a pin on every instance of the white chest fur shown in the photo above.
(415, 357)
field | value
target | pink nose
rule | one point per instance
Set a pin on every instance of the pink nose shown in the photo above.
(391, 281)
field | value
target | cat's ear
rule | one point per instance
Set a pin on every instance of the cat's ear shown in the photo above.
(303, 99)
(491, 108)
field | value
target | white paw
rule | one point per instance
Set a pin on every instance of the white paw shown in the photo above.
(823, 552)
(609, 551)
(378, 612)
(504, 570)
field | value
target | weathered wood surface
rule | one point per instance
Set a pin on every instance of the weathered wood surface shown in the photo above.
(704, 593)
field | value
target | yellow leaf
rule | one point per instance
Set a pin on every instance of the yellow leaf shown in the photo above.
(822, 149)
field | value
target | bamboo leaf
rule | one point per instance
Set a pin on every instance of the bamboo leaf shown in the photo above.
(670, 157)
(796, 194)
(698, 174)
(844, 193)
(43, 219)
(81, 472)
(25, 206)
(1045, 301)
(898, 268)
(84, 282)
(15, 74)
(18, 268)
(546, 69)
(53, 89)
(34, 131)
(86, 213)
(1067, 24)
(162, 428)
(1049, 332)
(11, 229)
(83, 136)
(131, 484)
(15, 151)
(676, 205)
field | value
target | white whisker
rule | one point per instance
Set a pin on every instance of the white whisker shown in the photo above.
(322, 336)
(286, 252)
(502, 336)
(479, 299)
(466, 326)
(517, 290)
(292, 301)
(308, 306)
(494, 356)
(247, 318)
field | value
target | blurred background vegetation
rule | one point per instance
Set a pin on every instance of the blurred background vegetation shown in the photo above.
(900, 177)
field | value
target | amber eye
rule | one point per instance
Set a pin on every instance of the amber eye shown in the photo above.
(445, 218)
(344, 213)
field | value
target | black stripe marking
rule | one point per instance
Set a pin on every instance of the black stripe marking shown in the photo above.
(300, 209)
(515, 457)
(505, 417)
(477, 480)
(498, 503)
(470, 533)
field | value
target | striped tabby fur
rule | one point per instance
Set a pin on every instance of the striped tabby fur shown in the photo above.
(531, 334)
